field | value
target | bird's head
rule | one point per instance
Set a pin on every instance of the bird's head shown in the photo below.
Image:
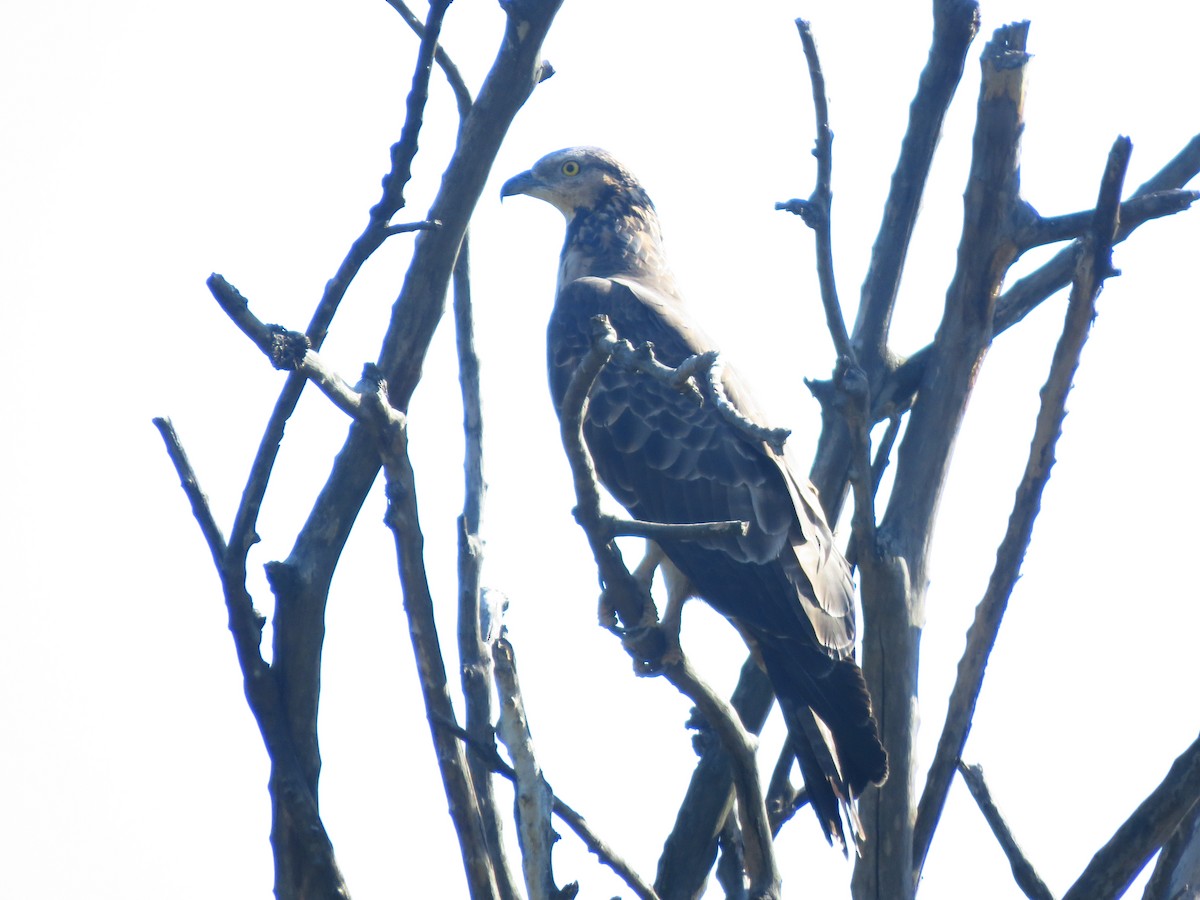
(576, 179)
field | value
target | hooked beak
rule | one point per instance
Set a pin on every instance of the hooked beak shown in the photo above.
(519, 184)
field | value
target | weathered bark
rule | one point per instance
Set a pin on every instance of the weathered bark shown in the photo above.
(894, 571)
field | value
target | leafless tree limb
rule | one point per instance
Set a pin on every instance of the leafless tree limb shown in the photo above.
(320, 874)
(576, 822)
(402, 519)
(690, 850)
(405, 149)
(415, 315)
(691, 847)
(534, 800)
(475, 658)
(893, 585)
(1135, 211)
(1023, 872)
(817, 210)
(1027, 293)
(410, 227)
(1118, 862)
(201, 509)
(304, 577)
(295, 648)
(1176, 874)
(751, 806)
(368, 404)
(955, 24)
(1094, 267)
(462, 95)
(731, 865)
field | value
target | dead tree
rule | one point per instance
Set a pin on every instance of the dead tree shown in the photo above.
(730, 814)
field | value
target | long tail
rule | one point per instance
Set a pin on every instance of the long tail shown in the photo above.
(831, 727)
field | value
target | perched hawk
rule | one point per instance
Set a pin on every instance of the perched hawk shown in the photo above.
(667, 457)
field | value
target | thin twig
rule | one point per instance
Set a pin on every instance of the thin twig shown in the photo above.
(1093, 268)
(409, 227)
(576, 822)
(402, 519)
(475, 658)
(817, 211)
(405, 149)
(1024, 874)
(191, 487)
(462, 96)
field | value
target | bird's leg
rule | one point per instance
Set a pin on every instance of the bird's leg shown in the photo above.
(644, 573)
(643, 577)
(679, 589)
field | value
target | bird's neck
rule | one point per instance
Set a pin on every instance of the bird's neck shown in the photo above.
(615, 239)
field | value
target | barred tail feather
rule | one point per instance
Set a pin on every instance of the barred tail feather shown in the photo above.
(832, 731)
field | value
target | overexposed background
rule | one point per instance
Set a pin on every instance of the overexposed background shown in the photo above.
(143, 145)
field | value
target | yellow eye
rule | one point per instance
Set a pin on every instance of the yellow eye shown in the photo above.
(570, 167)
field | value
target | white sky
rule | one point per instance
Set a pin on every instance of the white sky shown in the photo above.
(143, 145)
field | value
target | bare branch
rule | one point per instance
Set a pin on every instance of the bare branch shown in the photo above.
(691, 847)
(1023, 872)
(955, 24)
(402, 519)
(1160, 196)
(817, 210)
(1093, 268)
(576, 822)
(409, 227)
(893, 590)
(534, 797)
(475, 657)
(1118, 862)
(243, 536)
(462, 96)
(368, 404)
(1137, 210)
(405, 149)
(289, 790)
(751, 806)
(191, 487)
(1027, 293)
(731, 865)
(1176, 874)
